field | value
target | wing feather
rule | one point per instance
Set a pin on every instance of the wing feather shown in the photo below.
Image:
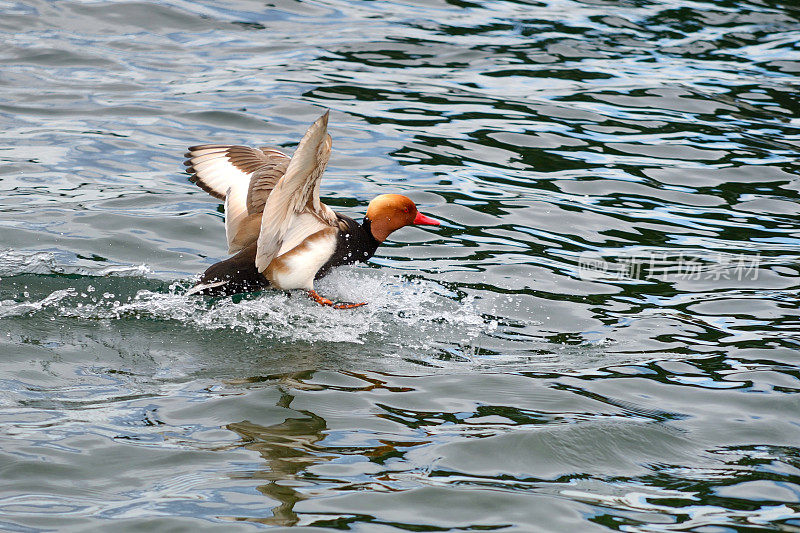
(241, 176)
(295, 194)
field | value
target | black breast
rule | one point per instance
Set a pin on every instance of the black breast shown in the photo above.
(354, 244)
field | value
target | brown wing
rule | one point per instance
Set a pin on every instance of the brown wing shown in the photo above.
(243, 177)
(263, 181)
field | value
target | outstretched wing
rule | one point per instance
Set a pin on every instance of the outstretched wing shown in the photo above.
(293, 210)
(241, 176)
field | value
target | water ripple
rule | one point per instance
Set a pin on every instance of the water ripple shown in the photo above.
(601, 335)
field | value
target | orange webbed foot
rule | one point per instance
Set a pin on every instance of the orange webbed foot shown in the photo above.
(324, 301)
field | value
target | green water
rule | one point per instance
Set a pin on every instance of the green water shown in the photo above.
(602, 335)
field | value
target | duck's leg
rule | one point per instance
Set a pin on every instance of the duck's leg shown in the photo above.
(324, 301)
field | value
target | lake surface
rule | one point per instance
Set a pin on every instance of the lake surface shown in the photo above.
(603, 334)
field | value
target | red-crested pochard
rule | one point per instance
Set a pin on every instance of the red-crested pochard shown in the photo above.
(281, 234)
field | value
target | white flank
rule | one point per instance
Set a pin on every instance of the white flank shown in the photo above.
(301, 266)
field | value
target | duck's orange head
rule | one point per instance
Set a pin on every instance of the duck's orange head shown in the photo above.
(390, 212)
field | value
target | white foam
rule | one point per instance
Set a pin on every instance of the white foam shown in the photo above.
(400, 312)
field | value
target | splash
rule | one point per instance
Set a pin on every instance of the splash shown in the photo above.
(401, 312)
(9, 308)
(398, 310)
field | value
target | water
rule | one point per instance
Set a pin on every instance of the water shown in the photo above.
(602, 335)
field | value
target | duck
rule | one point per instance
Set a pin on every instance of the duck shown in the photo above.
(279, 234)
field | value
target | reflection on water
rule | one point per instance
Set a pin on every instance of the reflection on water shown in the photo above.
(287, 449)
(601, 336)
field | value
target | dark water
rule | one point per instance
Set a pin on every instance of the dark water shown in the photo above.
(602, 336)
